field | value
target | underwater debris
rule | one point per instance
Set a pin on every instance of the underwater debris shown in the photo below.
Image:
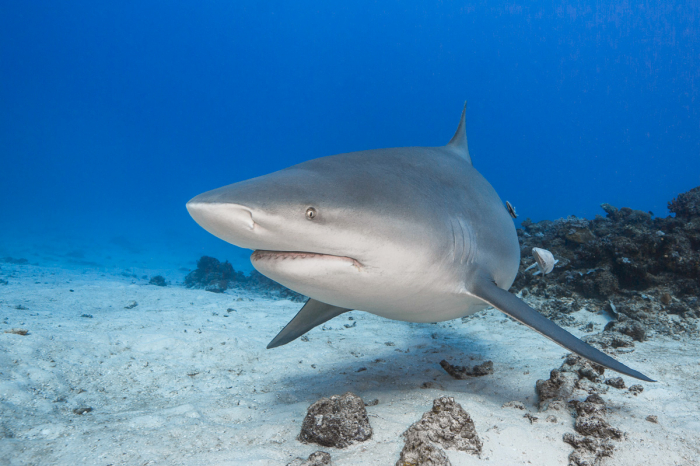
(448, 425)
(514, 404)
(215, 276)
(338, 421)
(636, 389)
(158, 280)
(131, 305)
(462, 372)
(17, 331)
(317, 458)
(81, 411)
(563, 381)
(652, 418)
(615, 382)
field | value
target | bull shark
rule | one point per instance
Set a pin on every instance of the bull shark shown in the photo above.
(414, 234)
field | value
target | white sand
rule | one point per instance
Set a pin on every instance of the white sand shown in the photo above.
(174, 381)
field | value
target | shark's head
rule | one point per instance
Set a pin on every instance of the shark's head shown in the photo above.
(332, 228)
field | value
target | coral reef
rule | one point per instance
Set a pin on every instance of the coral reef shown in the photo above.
(573, 373)
(592, 440)
(217, 277)
(447, 425)
(338, 421)
(642, 270)
(213, 275)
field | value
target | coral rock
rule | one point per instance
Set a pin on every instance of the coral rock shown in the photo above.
(447, 425)
(596, 426)
(419, 451)
(317, 458)
(616, 382)
(461, 372)
(158, 280)
(686, 205)
(338, 421)
(636, 389)
(588, 450)
(558, 387)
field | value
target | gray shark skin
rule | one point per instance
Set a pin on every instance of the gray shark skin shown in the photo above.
(412, 233)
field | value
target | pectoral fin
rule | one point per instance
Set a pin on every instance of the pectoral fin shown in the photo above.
(504, 301)
(312, 314)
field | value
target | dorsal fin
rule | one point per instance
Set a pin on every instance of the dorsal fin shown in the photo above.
(458, 143)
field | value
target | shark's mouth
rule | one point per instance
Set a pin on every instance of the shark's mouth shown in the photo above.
(261, 255)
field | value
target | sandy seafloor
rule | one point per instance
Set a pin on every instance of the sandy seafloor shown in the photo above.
(178, 380)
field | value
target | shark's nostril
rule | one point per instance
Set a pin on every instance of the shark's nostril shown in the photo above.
(247, 217)
(221, 218)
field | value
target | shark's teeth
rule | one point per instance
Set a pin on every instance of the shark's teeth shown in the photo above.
(294, 255)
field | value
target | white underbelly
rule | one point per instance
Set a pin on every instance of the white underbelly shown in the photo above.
(428, 308)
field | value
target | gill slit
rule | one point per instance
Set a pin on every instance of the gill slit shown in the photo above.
(462, 241)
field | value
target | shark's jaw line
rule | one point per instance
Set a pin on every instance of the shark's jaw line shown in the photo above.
(263, 254)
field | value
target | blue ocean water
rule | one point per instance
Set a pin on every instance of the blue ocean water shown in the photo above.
(114, 114)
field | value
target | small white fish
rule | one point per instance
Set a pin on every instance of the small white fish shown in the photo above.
(544, 260)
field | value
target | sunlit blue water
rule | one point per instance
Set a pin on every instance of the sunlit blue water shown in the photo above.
(114, 114)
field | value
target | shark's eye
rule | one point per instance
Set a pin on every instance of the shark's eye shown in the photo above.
(311, 213)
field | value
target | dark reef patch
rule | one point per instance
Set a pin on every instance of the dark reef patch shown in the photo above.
(465, 372)
(593, 436)
(215, 276)
(16, 261)
(642, 270)
(158, 280)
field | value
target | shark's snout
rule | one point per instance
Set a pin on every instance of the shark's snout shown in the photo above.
(231, 222)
